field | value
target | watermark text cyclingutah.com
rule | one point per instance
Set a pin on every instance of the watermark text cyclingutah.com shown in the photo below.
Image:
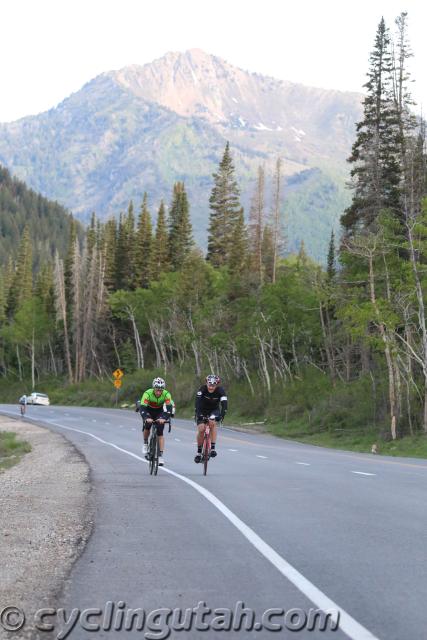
(159, 623)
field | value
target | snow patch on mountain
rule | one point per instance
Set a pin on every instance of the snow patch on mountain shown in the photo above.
(261, 127)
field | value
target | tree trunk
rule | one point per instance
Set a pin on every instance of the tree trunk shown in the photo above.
(388, 354)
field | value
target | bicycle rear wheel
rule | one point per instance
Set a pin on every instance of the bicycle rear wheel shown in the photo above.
(206, 451)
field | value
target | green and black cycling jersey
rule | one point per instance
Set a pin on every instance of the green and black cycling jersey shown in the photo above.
(153, 406)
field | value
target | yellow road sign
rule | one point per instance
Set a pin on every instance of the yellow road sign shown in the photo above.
(117, 384)
(117, 374)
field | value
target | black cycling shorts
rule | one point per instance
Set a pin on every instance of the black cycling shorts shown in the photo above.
(154, 414)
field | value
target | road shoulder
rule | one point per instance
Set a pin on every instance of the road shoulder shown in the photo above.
(46, 519)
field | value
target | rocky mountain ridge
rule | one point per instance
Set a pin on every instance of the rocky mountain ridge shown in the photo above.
(143, 127)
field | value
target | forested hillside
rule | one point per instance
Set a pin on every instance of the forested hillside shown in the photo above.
(339, 350)
(47, 222)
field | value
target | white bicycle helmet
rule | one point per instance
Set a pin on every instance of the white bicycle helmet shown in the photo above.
(212, 379)
(159, 383)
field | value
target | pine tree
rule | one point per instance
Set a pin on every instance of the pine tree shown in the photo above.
(91, 232)
(161, 247)
(109, 242)
(302, 255)
(3, 299)
(238, 257)
(22, 283)
(44, 288)
(256, 225)
(144, 247)
(180, 231)
(278, 240)
(376, 172)
(8, 274)
(267, 250)
(331, 268)
(68, 268)
(225, 211)
(125, 253)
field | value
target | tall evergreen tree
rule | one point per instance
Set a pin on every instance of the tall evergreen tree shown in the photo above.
(225, 209)
(44, 288)
(331, 267)
(22, 283)
(91, 233)
(69, 267)
(267, 250)
(180, 230)
(238, 257)
(125, 254)
(109, 243)
(144, 246)
(3, 298)
(161, 246)
(375, 169)
(256, 225)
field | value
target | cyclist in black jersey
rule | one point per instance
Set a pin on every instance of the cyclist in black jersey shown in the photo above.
(211, 400)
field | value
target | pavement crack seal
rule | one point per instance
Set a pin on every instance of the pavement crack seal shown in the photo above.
(347, 623)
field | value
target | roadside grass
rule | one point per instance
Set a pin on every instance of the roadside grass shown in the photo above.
(11, 449)
(359, 441)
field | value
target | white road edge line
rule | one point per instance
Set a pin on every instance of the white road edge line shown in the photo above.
(306, 464)
(263, 457)
(234, 450)
(347, 623)
(363, 473)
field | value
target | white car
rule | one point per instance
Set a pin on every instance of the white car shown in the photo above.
(38, 398)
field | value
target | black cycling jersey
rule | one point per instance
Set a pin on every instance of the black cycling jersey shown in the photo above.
(207, 403)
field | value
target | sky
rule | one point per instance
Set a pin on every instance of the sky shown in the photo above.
(51, 48)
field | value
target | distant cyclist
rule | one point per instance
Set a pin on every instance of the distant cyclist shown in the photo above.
(156, 404)
(23, 403)
(211, 400)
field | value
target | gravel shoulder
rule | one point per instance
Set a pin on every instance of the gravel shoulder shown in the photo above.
(45, 521)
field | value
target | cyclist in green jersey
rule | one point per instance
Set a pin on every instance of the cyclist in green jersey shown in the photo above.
(156, 404)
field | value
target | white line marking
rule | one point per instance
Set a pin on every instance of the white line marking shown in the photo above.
(233, 450)
(93, 420)
(263, 457)
(177, 440)
(348, 624)
(306, 464)
(362, 473)
(133, 429)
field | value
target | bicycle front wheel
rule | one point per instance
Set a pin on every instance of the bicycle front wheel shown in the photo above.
(206, 451)
(156, 459)
(152, 453)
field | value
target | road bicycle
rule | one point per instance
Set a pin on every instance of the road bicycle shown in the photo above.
(154, 447)
(206, 445)
(23, 408)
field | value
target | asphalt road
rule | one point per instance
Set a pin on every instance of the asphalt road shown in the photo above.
(281, 527)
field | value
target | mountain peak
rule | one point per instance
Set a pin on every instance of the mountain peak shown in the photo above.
(195, 83)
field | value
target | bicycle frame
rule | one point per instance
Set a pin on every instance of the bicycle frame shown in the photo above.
(154, 446)
(153, 449)
(206, 446)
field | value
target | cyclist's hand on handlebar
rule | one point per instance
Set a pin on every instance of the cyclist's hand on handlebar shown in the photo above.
(149, 420)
